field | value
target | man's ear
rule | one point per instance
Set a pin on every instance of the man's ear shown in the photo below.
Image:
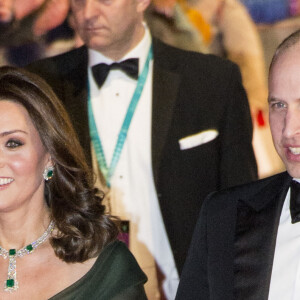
(142, 5)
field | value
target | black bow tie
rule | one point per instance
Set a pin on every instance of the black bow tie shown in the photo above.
(295, 201)
(128, 66)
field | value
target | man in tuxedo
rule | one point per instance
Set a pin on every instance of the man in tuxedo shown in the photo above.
(246, 243)
(190, 132)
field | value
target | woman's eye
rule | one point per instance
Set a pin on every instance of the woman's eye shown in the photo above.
(13, 144)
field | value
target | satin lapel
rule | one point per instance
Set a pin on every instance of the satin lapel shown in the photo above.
(75, 87)
(256, 232)
(165, 87)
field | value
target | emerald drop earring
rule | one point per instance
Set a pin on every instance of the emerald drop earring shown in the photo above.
(48, 173)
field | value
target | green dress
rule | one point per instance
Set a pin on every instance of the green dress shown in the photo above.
(114, 276)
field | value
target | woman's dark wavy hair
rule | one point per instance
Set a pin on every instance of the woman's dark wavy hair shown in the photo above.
(74, 203)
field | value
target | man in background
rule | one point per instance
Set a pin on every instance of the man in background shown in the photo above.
(162, 127)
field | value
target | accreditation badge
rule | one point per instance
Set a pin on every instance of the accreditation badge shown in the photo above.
(124, 226)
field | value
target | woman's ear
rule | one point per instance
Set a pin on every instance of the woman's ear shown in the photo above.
(49, 161)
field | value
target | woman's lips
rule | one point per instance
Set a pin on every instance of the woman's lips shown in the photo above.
(5, 181)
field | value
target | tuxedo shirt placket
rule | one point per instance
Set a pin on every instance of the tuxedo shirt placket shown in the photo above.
(285, 279)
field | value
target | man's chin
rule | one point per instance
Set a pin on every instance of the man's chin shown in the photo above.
(98, 44)
(293, 170)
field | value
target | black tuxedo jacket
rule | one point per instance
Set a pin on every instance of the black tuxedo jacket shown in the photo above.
(192, 92)
(232, 251)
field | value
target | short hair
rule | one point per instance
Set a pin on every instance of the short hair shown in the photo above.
(74, 204)
(289, 42)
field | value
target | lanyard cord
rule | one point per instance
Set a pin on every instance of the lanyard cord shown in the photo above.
(109, 171)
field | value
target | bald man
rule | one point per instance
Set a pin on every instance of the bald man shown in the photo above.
(246, 243)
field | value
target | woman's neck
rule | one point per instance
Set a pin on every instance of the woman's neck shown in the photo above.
(19, 229)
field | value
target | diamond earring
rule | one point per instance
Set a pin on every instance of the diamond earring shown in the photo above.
(48, 173)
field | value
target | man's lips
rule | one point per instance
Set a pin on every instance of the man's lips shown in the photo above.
(88, 28)
(294, 150)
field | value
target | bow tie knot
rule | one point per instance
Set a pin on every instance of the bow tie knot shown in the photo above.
(295, 201)
(128, 66)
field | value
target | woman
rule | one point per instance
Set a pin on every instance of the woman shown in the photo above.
(55, 240)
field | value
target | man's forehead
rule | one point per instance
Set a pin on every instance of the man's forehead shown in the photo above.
(288, 55)
(286, 67)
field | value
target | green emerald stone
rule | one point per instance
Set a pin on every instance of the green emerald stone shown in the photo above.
(10, 283)
(125, 228)
(50, 173)
(29, 247)
(12, 252)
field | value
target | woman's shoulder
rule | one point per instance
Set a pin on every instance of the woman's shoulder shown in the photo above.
(114, 275)
(120, 273)
(120, 262)
(117, 253)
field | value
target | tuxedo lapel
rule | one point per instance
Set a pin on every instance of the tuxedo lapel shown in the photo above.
(256, 232)
(165, 87)
(76, 93)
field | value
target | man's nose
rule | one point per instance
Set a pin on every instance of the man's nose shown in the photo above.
(292, 123)
(89, 9)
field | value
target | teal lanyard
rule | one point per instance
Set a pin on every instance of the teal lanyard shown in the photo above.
(109, 171)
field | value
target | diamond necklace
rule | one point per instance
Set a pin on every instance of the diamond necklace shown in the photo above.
(11, 284)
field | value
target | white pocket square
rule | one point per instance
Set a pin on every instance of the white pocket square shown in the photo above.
(198, 139)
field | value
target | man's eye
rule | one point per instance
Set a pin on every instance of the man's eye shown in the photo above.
(13, 144)
(277, 105)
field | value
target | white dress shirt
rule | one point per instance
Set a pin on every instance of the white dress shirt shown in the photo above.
(285, 279)
(133, 192)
